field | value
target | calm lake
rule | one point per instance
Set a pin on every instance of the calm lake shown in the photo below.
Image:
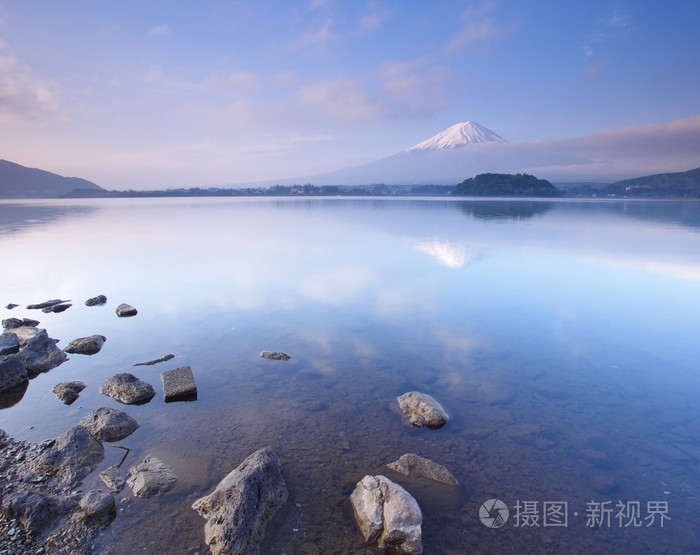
(562, 337)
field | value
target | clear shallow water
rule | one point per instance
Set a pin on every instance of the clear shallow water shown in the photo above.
(561, 336)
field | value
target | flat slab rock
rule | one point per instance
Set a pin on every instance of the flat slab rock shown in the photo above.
(388, 516)
(11, 323)
(151, 477)
(68, 392)
(109, 424)
(128, 389)
(241, 505)
(275, 355)
(178, 384)
(86, 345)
(125, 310)
(423, 410)
(415, 466)
(46, 304)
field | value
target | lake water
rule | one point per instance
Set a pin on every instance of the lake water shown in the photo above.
(561, 336)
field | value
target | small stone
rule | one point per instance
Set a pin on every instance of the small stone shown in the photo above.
(86, 345)
(96, 505)
(178, 384)
(423, 410)
(11, 306)
(128, 389)
(11, 323)
(164, 358)
(113, 478)
(56, 308)
(68, 392)
(46, 304)
(109, 424)
(96, 301)
(124, 310)
(274, 355)
(414, 466)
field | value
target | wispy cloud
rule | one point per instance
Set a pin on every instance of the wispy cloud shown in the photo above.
(343, 99)
(159, 30)
(318, 35)
(24, 95)
(153, 73)
(477, 27)
(369, 22)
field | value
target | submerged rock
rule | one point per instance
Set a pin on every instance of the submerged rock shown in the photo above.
(9, 343)
(164, 358)
(86, 345)
(388, 516)
(274, 355)
(97, 505)
(124, 310)
(178, 384)
(108, 424)
(423, 410)
(96, 301)
(241, 505)
(74, 455)
(12, 372)
(68, 392)
(113, 478)
(151, 477)
(128, 389)
(40, 354)
(415, 466)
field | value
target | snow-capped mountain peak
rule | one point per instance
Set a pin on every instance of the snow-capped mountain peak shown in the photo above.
(459, 135)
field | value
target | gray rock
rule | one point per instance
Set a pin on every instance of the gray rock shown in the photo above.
(40, 354)
(68, 392)
(414, 466)
(113, 478)
(74, 455)
(178, 384)
(57, 308)
(97, 505)
(10, 323)
(46, 304)
(423, 410)
(124, 310)
(25, 333)
(108, 424)
(86, 345)
(128, 389)
(388, 516)
(96, 301)
(274, 355)
(12, 372)
(10, 306)
(239, 508)
(9, 343)
(34, 510)
(151, 477)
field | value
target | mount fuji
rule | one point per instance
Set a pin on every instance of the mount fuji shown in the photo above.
(457, 136)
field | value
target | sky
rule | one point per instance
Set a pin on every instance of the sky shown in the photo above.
(155, 94)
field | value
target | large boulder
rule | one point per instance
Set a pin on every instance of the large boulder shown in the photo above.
(128, 389)
(239, 508)
(108, 424)
(33, 509)
(68, 392)
(388, 516)
(86, 345)
(40, 354)
(423, 410)
(415, 466)
(73, 456)
(151, 477)
(9, 343)
(12, 372)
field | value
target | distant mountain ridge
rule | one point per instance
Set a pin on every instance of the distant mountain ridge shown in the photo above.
(17, 181)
